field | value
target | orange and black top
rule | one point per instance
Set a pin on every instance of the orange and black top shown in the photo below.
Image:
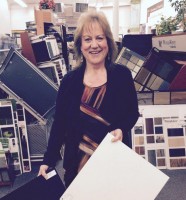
(93, 124)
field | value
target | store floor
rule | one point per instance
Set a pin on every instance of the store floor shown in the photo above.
(175, 189)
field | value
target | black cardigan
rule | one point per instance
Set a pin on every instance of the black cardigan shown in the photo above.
(119, 107)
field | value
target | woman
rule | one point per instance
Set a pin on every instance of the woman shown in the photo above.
(96, 98)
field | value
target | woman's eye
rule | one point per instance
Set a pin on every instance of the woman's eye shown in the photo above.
(100, 38)
(87, 39)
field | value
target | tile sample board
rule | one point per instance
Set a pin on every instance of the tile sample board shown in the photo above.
(116, 172)
(131, 60)
(157, 72)
(161, 97)
(159, 135)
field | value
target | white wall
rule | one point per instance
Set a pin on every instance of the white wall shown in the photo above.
(124, 17)
(108, 13)
(168, 10)
(144, 5)
(155, 16)
(5, 23)
(20, 15)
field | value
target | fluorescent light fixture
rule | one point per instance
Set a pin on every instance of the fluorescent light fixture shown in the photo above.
(21, 3)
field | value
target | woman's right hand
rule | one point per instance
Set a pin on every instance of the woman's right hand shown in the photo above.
(42, 171)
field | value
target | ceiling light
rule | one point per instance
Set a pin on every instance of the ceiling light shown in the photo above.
(21, 3)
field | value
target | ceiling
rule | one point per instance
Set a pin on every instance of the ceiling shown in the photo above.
(12, 2)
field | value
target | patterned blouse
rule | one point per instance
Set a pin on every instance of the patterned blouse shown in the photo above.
(94, 127)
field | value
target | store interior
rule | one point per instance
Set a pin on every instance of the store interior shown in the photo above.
(154, 53)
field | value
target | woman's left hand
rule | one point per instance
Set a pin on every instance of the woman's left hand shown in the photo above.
(118, 135)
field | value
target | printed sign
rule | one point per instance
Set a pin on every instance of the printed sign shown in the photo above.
(170, 42)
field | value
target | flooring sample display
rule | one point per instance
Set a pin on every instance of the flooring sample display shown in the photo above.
(157, 72)
(28, 85)
(139, 43)
(159, 135)
(178, 97)
(179, 82)
(161, 97)
(131, 60)
(115, 171)
(145, 98)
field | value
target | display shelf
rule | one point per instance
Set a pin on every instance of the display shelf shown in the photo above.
(159, 135)
(153, 72)
(50, 49)
(23, 137)
(5, 178)
(139, 43)
(31, 28)
(59, 32)
(16, 34)
(55, 70)
(40, 100)
(157, 72)
(60, 67)
(49, 69)
(9, 136)
(164, 60)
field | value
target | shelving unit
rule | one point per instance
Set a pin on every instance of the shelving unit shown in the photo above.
(23, 137)
(16, 34)
(55, 70)
(9, 136)
(31, 28)
(5, 178)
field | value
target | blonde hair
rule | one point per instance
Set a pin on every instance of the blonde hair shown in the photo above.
(84, 20)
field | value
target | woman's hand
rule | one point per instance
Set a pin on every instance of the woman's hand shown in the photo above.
(118, 135)
(42, 171)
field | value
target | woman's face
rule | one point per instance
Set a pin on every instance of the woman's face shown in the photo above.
(94, 45)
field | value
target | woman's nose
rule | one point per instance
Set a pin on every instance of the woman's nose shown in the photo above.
(94, 44)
